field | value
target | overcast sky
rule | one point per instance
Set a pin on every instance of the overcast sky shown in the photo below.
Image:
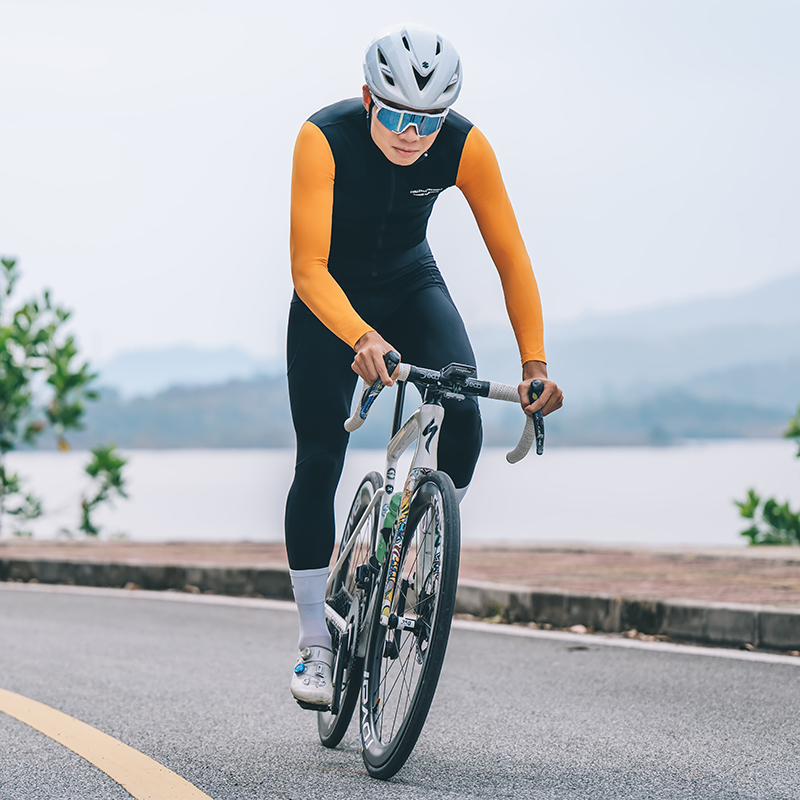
(649, 148)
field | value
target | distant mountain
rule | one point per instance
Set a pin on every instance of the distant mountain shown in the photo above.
(255, 413)
(764, 384)
(773, 304)
(595, 358)
(665, 418)
(720, 367)
(745, 345)
(145, 372)
(241, 413)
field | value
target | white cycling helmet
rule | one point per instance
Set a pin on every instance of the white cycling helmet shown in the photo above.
(411, 65)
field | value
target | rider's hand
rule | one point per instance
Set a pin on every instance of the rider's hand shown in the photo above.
(368, 363)
(551, 397)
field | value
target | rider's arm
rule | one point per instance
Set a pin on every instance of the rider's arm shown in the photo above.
(480, 180)
(313, 172)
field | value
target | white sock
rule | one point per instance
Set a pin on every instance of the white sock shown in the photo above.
(308, 586)
(460, 493)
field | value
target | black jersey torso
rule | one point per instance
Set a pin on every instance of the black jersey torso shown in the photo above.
(380, 209)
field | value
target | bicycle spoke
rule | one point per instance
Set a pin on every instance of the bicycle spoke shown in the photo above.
(406, 684)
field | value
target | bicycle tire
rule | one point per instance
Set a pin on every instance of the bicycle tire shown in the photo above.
(347, 667)
(402, 668)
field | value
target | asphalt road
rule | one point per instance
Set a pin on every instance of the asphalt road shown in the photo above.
(201, 686)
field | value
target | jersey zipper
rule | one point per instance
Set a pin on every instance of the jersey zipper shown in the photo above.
(383, 220)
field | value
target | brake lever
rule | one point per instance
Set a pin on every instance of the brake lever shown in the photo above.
(536, 389)
(391, 359)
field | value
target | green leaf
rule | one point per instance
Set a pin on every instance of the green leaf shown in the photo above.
(752, 533)
(748, 507)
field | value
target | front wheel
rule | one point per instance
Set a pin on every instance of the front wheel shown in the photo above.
(404, 658)
(349, 601)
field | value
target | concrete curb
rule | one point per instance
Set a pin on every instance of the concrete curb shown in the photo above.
(266, 581)
(724, 624)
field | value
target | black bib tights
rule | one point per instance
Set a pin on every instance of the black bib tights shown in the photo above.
(413, 311)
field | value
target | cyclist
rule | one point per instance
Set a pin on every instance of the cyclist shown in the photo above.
(366, 174)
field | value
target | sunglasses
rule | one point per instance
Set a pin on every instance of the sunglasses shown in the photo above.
(397, 121)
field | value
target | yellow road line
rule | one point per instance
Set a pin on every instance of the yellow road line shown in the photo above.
(142, 777)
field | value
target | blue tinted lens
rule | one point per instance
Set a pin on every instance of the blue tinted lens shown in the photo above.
(398, 121)
(390, 119)
(429, 125)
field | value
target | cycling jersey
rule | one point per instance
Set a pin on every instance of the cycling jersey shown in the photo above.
(355, 216)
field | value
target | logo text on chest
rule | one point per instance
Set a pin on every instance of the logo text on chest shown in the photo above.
(425, 192)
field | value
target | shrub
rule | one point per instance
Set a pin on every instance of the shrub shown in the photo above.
(773, 522)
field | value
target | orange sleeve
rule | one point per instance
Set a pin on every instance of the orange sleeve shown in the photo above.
(480, 180)
(313, 171)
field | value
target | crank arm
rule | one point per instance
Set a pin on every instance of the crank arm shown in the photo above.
(338, 622)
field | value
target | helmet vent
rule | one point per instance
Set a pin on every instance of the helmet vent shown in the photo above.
(405, 44)
(438, 48)
(422, 80)
(389, 79)
(382, 57)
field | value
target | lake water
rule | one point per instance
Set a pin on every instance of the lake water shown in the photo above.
(662, 496)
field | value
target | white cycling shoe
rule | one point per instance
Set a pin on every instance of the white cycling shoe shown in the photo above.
(312, 682)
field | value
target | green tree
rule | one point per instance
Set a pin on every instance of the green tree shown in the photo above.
(43, 385)
(105, 469)
(773, 522)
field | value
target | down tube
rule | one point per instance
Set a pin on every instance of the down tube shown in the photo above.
(429, 424)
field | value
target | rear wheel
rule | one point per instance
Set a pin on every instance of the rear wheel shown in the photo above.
(348, 600)
(404, 659)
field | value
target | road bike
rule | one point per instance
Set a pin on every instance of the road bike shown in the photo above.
(391, 593)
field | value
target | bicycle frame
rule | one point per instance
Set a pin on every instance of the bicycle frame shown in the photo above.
(422, 427)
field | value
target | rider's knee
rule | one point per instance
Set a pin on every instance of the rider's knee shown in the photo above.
(322, 469)
(463, 417)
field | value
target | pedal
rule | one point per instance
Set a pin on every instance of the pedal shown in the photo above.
(340, 602)
(311, 706)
